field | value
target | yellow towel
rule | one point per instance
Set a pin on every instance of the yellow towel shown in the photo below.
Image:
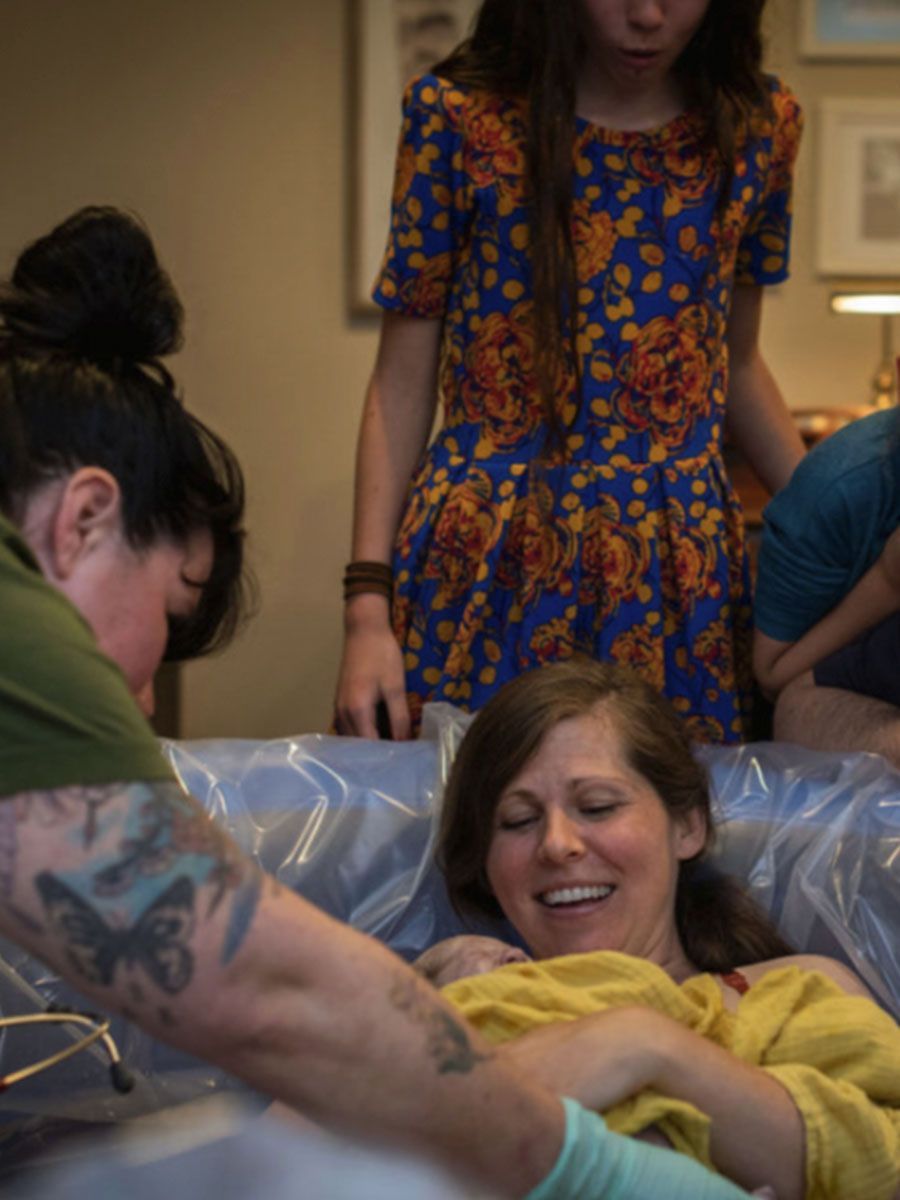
(837, 1055)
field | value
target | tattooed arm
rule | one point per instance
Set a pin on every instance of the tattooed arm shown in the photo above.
(133, 894)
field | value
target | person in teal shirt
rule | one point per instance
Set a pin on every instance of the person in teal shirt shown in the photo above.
(827, 639)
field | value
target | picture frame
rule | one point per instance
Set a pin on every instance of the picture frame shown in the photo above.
(850, 29)
(390, 42)
(858, 188)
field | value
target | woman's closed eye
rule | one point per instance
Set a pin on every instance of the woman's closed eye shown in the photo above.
(517, 820)
(597, 808)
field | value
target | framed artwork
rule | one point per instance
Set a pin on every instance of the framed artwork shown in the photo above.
(858, 188)
(391, 40)
(850, 29)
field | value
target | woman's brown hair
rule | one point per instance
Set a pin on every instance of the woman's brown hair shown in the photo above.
(719, 925)
(532, 49)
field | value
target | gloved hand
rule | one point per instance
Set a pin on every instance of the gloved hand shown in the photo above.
(596, 1164)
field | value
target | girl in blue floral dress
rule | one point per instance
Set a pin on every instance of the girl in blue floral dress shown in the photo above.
(589, 197)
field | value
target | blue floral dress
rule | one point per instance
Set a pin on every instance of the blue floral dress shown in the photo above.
(627, 542)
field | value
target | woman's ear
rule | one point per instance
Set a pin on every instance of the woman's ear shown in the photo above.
(691, 833)
(87, 511)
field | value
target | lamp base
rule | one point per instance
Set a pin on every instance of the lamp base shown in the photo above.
(884, 386)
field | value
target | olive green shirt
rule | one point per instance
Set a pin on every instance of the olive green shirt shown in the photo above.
(67, 717)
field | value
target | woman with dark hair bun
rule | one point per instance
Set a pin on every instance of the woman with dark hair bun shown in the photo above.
(590, 199)
(84, 322)
(659, 994)
(120, 541)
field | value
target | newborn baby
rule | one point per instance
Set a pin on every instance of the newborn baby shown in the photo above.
(458, 957)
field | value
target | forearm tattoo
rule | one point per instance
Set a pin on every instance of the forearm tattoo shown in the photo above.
(446, 1039)
(145, 851)
(157, 940)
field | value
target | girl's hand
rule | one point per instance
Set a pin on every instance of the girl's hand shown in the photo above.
(371, 672)
(458, 957)
(598, 1060)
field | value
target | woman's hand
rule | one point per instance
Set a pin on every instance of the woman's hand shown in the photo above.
(599, 1060)
(458, 957)
(371, 672)
(605, 1058)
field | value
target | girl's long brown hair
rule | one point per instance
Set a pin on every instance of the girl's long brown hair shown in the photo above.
(532, 49)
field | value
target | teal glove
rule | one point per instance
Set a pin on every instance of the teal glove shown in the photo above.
(595, 1164)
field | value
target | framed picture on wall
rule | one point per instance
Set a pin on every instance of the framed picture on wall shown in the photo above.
(850, 29)
(858, 187)
(391, 40)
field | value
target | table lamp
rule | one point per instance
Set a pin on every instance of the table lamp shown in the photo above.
(886, 305)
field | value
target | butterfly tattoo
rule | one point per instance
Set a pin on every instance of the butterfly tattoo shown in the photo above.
(157, 942)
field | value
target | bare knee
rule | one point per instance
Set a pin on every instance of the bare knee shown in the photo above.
(825, 718)
(792, 709)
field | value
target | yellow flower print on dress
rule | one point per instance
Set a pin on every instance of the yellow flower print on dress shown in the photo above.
(551, 642)
(539, 553)
(702, 727)
(664, 379)
(594, 236)
(428, 288)
(614, 560)
(465, 532)
(495, 151)
(713, 648)
(639, 649)
(498, 384)
(687, 168)
(690, 568)
(424, 502)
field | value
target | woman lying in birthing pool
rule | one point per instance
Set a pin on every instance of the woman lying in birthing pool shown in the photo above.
(654, 990)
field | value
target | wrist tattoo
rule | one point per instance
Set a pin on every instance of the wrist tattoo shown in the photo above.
(446, 1038)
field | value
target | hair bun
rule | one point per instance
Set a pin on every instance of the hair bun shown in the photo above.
(93, 288)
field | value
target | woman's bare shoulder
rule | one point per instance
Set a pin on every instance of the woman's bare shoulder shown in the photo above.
(836, 971)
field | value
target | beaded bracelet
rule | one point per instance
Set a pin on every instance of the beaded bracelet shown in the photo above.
(364, 576)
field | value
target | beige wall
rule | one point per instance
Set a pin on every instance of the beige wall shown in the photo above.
(818, 358)
(224, 125)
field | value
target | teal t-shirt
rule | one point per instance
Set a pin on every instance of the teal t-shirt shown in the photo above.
(829, 525)
(66, 715)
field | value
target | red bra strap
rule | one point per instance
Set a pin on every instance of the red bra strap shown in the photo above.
(736, 980)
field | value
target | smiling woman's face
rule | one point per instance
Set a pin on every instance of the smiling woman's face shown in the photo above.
(584, 855)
